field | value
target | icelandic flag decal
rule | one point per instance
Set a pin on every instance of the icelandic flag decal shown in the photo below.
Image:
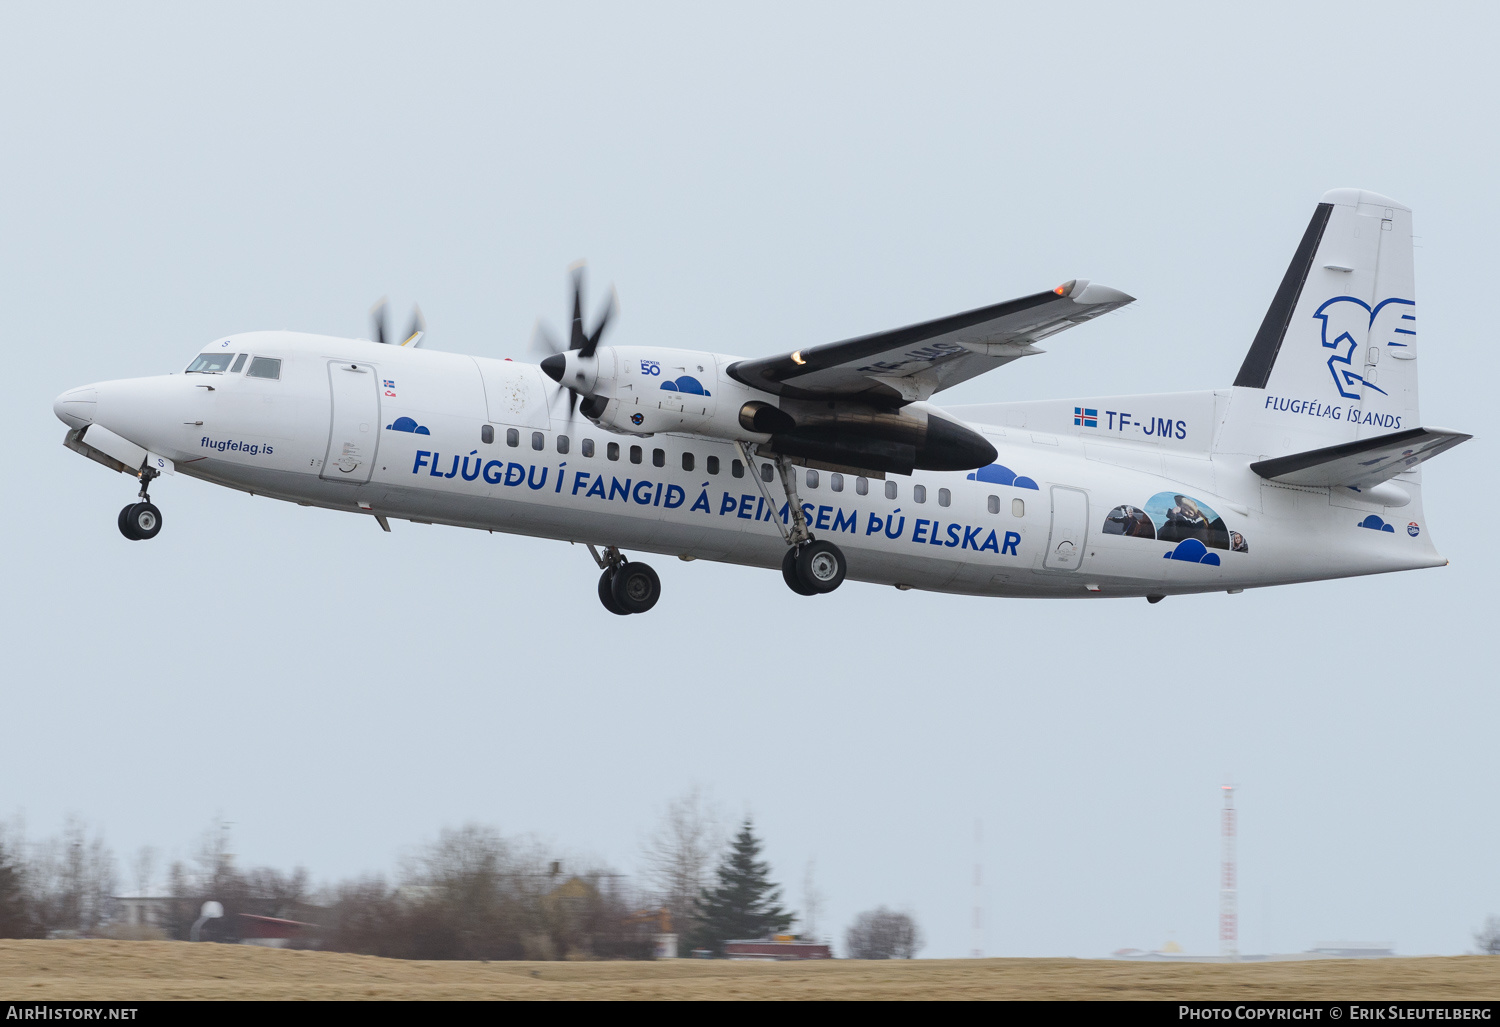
(1086, 417)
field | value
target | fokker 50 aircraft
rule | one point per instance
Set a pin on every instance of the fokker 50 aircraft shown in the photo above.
(832, 461)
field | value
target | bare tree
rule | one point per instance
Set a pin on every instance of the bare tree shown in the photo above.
(882, 934)
(1488, 937)
(680, 855)
(367, 917)
(15, 916)
(72, 881)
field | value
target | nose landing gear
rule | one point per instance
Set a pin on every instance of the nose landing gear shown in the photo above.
(140, 521)
(625, 587)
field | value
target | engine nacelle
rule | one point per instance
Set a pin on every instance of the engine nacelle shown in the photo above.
(641, 390)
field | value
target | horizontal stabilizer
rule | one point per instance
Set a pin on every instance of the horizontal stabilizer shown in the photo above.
(1363, 463)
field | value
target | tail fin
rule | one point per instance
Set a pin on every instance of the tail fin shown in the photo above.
(1335, 357)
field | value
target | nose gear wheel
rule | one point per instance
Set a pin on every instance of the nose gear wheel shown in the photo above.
(139, 521)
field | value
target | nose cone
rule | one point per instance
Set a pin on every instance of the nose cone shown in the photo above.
(76, 407)
(554, 366)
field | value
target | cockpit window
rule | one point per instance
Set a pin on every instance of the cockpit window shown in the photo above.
(264, 367)
(210, 363)
(239, 362)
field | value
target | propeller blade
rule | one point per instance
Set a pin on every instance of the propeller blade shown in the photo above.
(377, 318)
(543, 342)
(592, 342)
(577, 340)
(556, 392)
(416, 329)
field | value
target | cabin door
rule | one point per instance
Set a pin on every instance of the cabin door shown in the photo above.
(354, 432)
(1070, 529)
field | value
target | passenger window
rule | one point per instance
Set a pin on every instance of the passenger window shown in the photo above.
(210, 363)
(512, 437)
(767, 472)
(487, 434)
(239, 362)
(1018, 508)
(890, 490)
(687, 461)
(588, 447)
(713, 465)
(919, 493)
(658, 458)
(861, 486)
(836, 482)
(944, 497)
(812, 478)
(635, 454)
(994, 504)
(562, 443)
(538, 441)
(265, 367)
(613, 451)
(736, 468)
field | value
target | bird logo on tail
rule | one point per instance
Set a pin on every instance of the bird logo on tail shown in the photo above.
(1348, 321)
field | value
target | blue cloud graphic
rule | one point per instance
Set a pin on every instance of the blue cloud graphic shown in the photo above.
(687, 383)
(999, 474)
(1190, 550)
(407, 424)
(1375, 523)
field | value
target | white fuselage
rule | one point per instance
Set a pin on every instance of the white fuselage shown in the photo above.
(341, 403)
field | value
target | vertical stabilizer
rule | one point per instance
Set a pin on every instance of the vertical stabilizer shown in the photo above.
(1335, 357)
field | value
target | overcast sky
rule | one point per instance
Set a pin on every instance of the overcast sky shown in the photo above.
(752, 181)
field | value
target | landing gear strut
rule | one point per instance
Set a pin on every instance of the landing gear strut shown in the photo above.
(811, 566)
(140, 521)
(625, 586)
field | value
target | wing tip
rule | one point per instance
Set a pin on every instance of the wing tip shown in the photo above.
(1094, 294)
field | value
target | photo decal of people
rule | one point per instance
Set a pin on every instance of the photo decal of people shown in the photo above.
(1174, 517)
(1129, 520)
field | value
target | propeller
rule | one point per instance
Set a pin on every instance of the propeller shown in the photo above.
(584, 342)
(414, 331)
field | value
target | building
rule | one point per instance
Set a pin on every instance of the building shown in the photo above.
(777, 947)
(274, 932)
(1172, 953)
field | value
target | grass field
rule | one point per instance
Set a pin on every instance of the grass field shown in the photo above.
(140, 970)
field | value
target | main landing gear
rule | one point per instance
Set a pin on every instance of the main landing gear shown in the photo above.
(140, 521)
(625, 586)
(811, 566)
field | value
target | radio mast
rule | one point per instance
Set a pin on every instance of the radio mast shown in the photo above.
(1229, 921)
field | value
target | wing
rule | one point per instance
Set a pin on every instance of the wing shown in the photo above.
(912, 363)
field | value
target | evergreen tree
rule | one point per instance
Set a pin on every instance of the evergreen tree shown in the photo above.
(745, 904)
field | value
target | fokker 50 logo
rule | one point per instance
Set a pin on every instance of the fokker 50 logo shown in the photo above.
(1347, 322)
